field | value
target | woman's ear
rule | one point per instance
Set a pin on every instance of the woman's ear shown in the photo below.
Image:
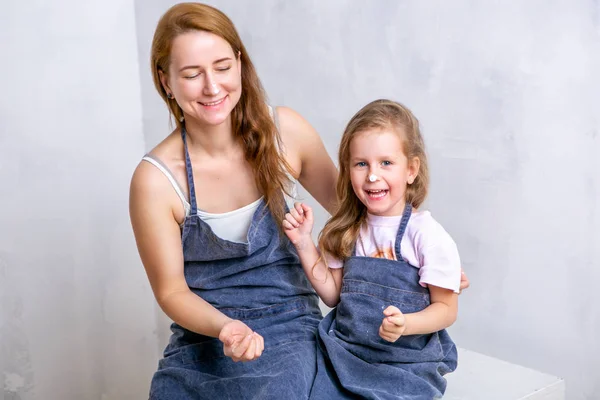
(164, 80)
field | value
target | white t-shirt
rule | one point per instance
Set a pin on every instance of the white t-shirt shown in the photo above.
(425, 245)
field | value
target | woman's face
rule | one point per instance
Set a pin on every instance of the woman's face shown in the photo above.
(204, 77)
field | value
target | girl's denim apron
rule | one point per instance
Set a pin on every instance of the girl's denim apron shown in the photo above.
(261, 283)
(354, 362)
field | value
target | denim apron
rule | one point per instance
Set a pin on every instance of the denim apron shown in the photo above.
(261, 283)
(354, 362)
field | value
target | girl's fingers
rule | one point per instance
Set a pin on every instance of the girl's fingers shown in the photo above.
(296, 215)
(239, 350)
(287, 225)
(391, 327)
(289, 218)
(391, 310)
(308, 213)
(260, 345)
(387, 326)
(397, 320)
(250, 352)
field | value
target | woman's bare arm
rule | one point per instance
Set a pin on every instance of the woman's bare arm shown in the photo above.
(317, 174)
(158, 237)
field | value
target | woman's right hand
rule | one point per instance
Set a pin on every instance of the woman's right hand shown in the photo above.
(240, 342)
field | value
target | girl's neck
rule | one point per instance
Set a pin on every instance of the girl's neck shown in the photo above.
(388, 220)
(211, 140)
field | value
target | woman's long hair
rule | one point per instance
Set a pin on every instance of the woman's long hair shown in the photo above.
(250, 119)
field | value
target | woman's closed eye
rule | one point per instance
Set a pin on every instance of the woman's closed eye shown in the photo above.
(192, 76)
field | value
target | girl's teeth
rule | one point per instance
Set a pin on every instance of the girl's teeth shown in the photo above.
(376, 193)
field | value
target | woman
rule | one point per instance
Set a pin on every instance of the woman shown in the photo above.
(237, 288)
(241, 274)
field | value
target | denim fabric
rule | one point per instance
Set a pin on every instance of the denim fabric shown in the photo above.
(261, 283)
(354, 362)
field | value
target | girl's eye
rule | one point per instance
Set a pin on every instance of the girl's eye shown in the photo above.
(386, 163)
(192, 76)
(223, 69)
(361, 164)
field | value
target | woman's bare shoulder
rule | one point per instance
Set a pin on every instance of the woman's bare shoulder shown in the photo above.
(149, 185)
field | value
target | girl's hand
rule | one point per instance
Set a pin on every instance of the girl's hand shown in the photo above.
(298, 224)
(240, 342)
(393, 325)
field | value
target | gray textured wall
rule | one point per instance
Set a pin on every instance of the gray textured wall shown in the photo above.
(509, 97)
(77, 319)
(508, 94)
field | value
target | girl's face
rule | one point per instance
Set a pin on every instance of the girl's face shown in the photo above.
(204, 76)
(380, 171)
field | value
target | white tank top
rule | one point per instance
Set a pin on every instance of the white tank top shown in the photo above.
(232, 225)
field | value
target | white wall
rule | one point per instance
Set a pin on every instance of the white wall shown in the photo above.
(508, 94)
(509, 97)
(77, 319)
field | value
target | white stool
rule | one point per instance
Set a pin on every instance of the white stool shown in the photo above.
(479, 377)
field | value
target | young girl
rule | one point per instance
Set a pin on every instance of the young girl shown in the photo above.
(393, 272)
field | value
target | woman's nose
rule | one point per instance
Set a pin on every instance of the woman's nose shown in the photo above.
(210, 87)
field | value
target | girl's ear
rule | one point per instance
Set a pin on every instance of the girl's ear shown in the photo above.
(413, 169)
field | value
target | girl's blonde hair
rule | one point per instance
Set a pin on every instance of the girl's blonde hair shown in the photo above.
(251, 122)
(339, 235)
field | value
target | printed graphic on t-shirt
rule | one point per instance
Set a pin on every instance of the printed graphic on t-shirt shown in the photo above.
(387, 253)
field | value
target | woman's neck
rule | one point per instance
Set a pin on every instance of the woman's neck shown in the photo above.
(212, 140)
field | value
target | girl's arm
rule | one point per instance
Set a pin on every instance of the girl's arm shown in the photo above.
(326, 281)
(440, 314)
(440, 266)
(158, 237)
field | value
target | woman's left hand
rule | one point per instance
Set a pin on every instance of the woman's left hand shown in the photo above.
(464, 281)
